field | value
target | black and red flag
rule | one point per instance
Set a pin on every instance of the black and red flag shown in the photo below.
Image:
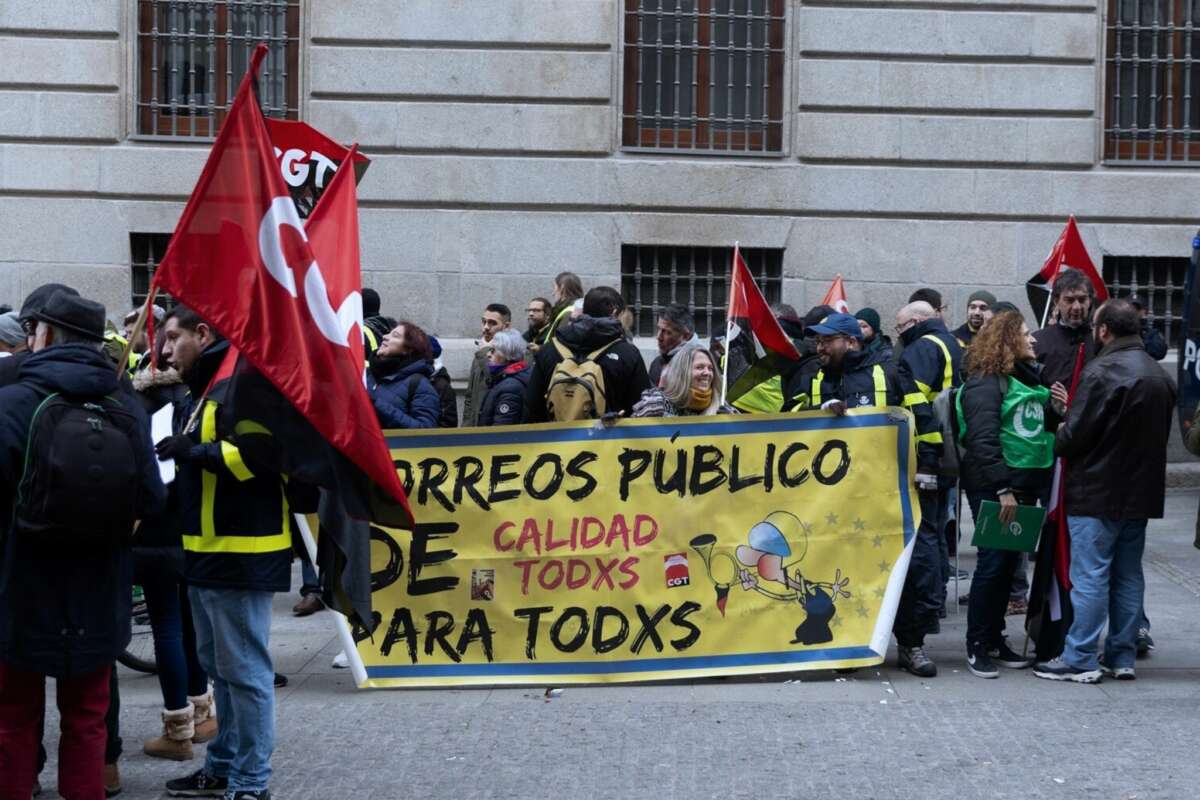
(287, 296)
(756, 348)
(1068, 252)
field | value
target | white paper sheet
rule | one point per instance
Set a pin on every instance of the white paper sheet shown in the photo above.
(160, 428)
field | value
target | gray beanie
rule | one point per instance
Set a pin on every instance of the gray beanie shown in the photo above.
(983, 295)
(11, 332)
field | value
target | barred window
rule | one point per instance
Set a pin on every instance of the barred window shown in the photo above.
(704, 75)
(654, 276)
(192, 55)
(146, 252)
(1159, 280)
(1152, 108)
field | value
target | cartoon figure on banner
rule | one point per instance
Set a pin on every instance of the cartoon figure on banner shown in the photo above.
(765, 553)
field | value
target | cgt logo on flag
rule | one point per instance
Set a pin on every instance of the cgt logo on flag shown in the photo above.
(676, 567)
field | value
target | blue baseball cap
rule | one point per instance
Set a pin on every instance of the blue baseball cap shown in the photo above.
(837, 325)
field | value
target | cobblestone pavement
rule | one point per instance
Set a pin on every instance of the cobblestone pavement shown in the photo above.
(878, 733)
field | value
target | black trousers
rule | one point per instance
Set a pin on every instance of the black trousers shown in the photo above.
(924, 584)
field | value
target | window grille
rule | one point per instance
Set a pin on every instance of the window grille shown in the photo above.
(1160, 280)
(704, 75)
(654, 276)
(1152, 54)
(146, 252)
(192, 55)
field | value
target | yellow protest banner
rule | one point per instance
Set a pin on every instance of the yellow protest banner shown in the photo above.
(652, 549)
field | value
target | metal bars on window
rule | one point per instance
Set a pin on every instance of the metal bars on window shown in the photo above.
(193, 53)
(704, 75)
(1152, 61)
(654, 276)
(146, 251)
(1159, 280)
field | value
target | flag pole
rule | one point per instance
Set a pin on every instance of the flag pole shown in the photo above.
(138, 327)
(728, 302)
(1050, 299)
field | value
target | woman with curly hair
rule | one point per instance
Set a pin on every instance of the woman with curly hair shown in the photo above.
(1006, 417)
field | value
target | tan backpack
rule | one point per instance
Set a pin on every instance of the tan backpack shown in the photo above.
(576, 389)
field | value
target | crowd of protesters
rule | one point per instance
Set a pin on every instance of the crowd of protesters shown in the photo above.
(989, 399)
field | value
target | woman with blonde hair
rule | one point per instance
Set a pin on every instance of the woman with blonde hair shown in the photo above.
(1005, 417)
(689, 388)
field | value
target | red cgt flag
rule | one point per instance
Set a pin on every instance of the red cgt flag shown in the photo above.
(756, 348)
(288, 300)
(836, 296)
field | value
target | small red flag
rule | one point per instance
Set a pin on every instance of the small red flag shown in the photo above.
(1068, 252)
(836, 296)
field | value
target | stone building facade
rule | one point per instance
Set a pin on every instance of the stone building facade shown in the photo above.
(916, 142)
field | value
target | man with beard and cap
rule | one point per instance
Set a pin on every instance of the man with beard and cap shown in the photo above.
(979, 311)
(65, 564)
(34, 303)
(596, 336)
(1057, 344)
(846, 375)
(930, 364)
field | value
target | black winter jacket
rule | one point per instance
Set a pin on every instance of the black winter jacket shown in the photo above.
(1057, 347)
(403, 395)
(982, 467)
(1114, 439)
(854, 384)
(624, 371)
(64, 611)
(923, 375)
(504, 403)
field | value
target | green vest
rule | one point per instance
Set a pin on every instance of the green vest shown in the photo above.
(1024, 440)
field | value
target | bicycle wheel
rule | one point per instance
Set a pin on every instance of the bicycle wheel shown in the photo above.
(139, 654)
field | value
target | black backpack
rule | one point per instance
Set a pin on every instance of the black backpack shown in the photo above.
(81, 476)
(448, 417)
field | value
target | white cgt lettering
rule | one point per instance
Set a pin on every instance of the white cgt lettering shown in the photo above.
(334, 325)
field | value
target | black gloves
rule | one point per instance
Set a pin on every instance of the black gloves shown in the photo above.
(177, 448)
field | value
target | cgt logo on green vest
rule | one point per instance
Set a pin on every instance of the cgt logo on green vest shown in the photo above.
(1029, 420)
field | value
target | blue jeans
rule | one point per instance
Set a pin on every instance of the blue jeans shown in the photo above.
(232, 631)
(179, 672)
(1107, 586)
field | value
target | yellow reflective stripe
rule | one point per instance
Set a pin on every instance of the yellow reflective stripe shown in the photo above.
(914, 399)
(927, 392)
(815, 391)
(233, 460)
(931, 438)
(208, 480)
(948, 364)
(880, 386)
(372, 339)
(247, 545)
(248, 427)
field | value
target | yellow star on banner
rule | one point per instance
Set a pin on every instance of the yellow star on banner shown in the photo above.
(883, 566)
(877, 541)
(859, 525)
(862, 612)
(831, 518)
(837, 621)
(879, 592)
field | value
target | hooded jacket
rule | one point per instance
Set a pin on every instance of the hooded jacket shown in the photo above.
(1114, 439)
(64, 611)
(505, 401)
(403, 397)
(625, 376)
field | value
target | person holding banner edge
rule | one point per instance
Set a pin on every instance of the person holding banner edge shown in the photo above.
(1005, 419)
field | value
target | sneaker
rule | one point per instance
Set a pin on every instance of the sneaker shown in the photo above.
(914, 660)
(198, 784)
(280, 681)
(1058, 670)
(979, 662)
(1005, 656)
(246, 794)
(1017, 606)
(1143, 643)
(1117, 673)
(341, 661)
